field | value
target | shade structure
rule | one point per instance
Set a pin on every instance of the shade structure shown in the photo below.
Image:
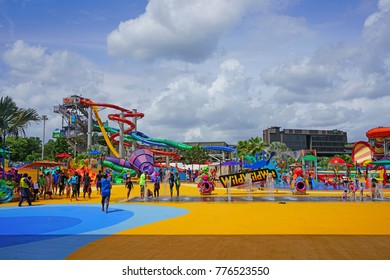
(337, 161)
(42, 163)
(4, 151)
(63, 155)
(230, 163)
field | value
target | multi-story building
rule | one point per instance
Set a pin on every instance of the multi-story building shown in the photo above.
(325, 142)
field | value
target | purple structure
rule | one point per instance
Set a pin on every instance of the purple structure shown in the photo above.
(143, 160)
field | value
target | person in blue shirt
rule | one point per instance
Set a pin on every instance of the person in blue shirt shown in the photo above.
(106, 192)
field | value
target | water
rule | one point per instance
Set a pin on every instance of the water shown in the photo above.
(249, 185)
(229, 191)
(270, 187)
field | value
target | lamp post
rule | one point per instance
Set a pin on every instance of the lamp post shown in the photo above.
(44, 118)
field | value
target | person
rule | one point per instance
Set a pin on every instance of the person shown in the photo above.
(128, 185)
(35, 191)
(67, 191)
(80, 179)
(142, 183)
(361, 188)
(56, 181)
(310, 180)
(48, 185)
(106, 192)
(373, 188)
(25, 190)
(177, 183)
(149, 194)
(171, 182)
(63, 182)
(87, 185)
(41, 184)
(345, 195)
(74, 181)
(156, 190)
(99, 177)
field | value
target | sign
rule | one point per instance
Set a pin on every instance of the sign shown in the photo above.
(257, 175)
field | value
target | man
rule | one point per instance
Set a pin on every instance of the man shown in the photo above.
(25, 190)
(99, 177)
(142, 183)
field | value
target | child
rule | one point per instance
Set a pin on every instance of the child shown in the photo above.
(36, 191)
(149, 194)
(345, 195)
(157, 188)
(128, 185)
(177, 183)
(352, 190)
(67, 190)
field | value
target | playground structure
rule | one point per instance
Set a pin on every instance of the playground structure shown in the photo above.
(81, 118)
(376, 148)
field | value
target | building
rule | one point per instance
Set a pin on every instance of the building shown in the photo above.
(325, 142)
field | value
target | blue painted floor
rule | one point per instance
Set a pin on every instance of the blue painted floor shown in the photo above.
(52, 232)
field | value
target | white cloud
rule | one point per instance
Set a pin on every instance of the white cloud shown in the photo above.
(188, 30)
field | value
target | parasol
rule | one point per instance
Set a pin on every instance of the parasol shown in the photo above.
(42, 163)
(231, 163)
(63, 155)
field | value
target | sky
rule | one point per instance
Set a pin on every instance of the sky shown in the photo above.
(202, 70)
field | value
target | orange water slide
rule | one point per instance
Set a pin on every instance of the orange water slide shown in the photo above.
(114, 117)
(378, 132)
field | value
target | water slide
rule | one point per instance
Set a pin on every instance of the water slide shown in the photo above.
(121, 117)
(138, 136)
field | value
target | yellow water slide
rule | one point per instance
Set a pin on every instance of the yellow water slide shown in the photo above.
(106, 138)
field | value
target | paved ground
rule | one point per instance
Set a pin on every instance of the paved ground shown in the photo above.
(255, 225)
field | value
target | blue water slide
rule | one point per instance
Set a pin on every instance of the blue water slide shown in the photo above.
(220, 148)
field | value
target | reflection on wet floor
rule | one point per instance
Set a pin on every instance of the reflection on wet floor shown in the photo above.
(297, 198)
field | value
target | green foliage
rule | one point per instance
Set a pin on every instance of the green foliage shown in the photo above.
(14, 120)
(196, 155)
(250, 147)
(55, 147)
(21, 148)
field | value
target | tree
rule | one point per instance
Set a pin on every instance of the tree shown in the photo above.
(196, 155)
(250, 147)
(23, 148)
(14, 120)
(55, 147)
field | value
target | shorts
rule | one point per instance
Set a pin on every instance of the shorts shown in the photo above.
(106, 199)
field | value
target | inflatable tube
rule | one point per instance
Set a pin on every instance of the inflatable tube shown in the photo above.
(205, 187)
(300, 187)
(6, 193)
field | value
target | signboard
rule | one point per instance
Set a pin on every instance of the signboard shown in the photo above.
(237, 179)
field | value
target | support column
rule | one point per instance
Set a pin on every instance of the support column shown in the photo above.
(89, 133)
(121, 129)
(133, 148)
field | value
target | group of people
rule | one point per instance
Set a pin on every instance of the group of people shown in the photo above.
(173, 179)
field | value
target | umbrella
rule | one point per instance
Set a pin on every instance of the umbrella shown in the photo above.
(95, 152)
(42, 163)
(63, 155)
(231, 163)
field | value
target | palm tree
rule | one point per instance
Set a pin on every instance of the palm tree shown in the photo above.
(14, 120)
(250, 147)
(256, 145)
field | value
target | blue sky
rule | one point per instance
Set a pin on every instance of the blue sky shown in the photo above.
(202, 70)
